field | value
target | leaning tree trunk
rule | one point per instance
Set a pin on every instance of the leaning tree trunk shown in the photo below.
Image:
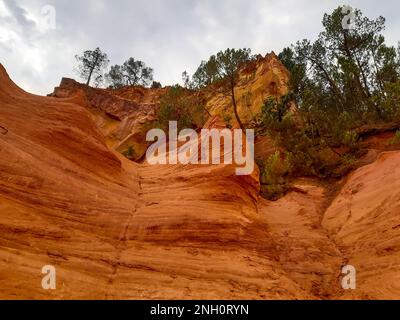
(92, 67)
(89, 77)
(88, 80)
(235, 108)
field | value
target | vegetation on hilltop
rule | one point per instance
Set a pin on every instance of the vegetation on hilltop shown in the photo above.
(92, 63)
(346, 79)
(131, 73)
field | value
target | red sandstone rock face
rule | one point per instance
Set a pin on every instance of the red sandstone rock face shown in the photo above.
(306, 251)
(262, 78)
(125, 115)
(364, 220)
(121, 115)
(116, 229)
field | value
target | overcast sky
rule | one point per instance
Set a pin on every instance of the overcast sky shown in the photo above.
(169, 35)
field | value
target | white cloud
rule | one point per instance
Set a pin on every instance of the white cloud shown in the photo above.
(3, 10)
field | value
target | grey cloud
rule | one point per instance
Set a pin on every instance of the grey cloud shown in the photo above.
(20, 14)
(170, 36)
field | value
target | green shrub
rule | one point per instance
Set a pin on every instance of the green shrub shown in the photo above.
(391, 103)
(350, 139)
(274, 171)
(181, 105)
(275, 112)
(228, 120)
(129, 153)
(396, 138)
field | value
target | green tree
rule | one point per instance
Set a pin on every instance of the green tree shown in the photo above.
(223, 68)
(131, 73)
(115, 77)
(187, 83)
(137, 73)
(92, 64)
(156, 85)
(206, 73)
(347, 69)
(275, 109)
(185, 106)
(296, 68)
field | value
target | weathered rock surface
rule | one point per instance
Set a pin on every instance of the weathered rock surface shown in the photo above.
(306, 251)
(116, 229)
(262, 78)
(125, 115)
(122, 115)
(364, 221)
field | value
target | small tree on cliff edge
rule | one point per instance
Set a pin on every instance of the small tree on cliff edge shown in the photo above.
(131, 73)
(92, 64)
(224, 68)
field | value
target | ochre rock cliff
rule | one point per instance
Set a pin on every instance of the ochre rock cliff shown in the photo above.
(364, 220)
(117, 229)
(114, 229)
(262, 78)
(125, 115)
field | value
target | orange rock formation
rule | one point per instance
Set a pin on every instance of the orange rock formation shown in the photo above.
(117, 229)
